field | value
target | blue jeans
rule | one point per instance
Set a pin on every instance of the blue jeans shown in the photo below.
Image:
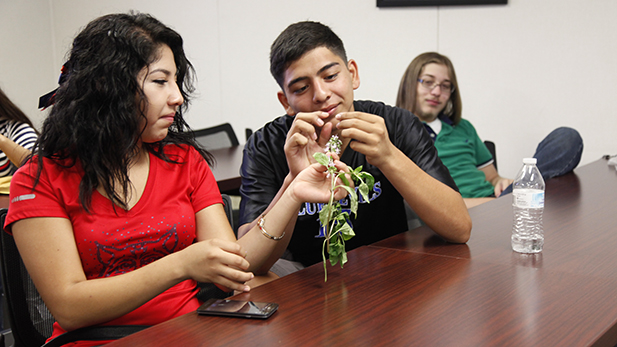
(559, 153)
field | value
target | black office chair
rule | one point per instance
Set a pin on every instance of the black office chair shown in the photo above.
(228, 209)
(30, 321)
(491, 148)
(209, 290)
(216, 137)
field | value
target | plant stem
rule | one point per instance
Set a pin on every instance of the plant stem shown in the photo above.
(329, 225)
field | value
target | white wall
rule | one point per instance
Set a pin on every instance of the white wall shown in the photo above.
(26, 54)
(547, 63)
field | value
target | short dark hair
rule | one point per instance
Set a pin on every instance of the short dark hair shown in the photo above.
(99, 109)
(298, 39)
(407, 91)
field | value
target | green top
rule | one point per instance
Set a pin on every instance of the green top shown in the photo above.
(462, 152)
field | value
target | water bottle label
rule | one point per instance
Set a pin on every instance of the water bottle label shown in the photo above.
(528, 198)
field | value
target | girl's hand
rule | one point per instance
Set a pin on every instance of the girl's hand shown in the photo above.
(217, 261)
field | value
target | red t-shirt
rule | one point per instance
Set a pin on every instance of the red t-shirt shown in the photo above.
(110, 244)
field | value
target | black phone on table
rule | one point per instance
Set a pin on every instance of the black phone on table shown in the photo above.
(237, 308)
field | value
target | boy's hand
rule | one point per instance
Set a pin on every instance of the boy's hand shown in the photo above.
(501, 185)
(313, 184)
(370, 135)
(308, 135)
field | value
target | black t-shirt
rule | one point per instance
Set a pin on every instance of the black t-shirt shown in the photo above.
(264, 168)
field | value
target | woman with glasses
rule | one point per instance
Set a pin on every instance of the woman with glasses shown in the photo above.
(429, 90)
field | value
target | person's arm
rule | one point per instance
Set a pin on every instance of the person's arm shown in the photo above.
(311, 185)
(492, 176)
(48, 249)
(301, 142)
(243, 229)
(439, 206)
(498, 182)
(15, 152)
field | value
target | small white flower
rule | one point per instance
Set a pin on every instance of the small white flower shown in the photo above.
(334, 145)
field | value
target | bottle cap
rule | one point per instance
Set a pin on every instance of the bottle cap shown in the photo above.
(530, 161)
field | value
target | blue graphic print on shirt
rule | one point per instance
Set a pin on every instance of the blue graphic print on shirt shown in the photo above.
(311, 208)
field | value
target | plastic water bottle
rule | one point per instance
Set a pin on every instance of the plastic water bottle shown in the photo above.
(528, 205)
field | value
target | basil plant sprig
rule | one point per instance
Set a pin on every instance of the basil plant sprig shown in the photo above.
(331, 216)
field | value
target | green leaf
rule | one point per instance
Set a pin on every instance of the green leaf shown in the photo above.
(347, 231)
(353, 203)
(363, 189)
(349, 190)
(368, 179)
(335, 250)
(326, 210)
(341, 218)
(332, 216)
(321, 158)
(343, 178)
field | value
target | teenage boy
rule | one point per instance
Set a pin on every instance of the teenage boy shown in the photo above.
(317, 82)
(430, 90)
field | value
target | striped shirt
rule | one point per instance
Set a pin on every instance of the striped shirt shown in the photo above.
(20, 133)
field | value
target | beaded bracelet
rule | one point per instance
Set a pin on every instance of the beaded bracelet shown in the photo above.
(263, 230)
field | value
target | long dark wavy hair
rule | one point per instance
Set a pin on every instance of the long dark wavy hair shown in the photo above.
(99, 111)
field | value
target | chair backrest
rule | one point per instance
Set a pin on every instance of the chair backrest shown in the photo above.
(228, 210)
(216, 137)
(491, 148)
(209, 290)
(31, 322)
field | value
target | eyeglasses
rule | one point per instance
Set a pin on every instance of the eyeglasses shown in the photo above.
(445, 87)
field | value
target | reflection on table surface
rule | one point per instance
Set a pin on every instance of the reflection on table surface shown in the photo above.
(580, 215)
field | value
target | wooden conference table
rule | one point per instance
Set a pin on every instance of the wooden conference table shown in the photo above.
(416, 290)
